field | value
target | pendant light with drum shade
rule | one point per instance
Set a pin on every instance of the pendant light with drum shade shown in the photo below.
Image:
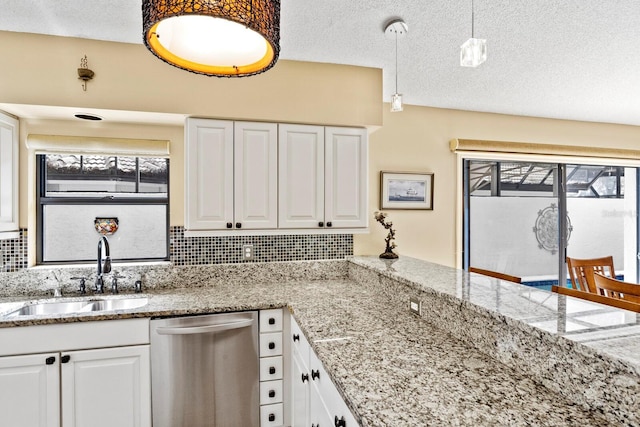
(222, 38)
(396, 29)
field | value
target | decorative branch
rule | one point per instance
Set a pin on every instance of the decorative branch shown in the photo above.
(390, 244)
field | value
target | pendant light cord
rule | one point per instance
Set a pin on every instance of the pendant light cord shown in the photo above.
(396, 62)
(472, 19)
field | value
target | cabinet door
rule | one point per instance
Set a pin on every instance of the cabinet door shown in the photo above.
(300, 393)
(331, 398)
(209, 174)
(106, 387)
(256, 175)
(319, 415)
(8, 173)
(30, 390)
(346, 186)
(301, 176)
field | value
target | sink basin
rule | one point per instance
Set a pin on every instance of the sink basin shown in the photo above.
(68, 307)
(49, 308)
(118, 304)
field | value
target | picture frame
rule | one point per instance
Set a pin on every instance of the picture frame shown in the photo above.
(406, 190)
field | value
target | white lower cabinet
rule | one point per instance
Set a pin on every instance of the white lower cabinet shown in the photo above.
(102, 387)
(30, 390)
(315, 400)
(106, 387)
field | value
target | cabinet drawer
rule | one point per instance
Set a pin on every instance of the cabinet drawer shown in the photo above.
(271, 320)
(271, 368)
(271, 344)
(270, 392)
(271, 415)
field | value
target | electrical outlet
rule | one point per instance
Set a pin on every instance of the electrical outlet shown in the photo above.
(247, 252)
(415, 306)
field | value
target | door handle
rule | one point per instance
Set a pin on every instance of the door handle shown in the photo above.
(205, 329)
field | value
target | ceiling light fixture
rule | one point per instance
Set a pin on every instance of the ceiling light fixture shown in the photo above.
(396, 29)
(223, 38)
(474, 51)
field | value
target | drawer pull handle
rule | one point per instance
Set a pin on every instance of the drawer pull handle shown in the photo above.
(50, 360)
(272, 370)
(315, 374)
(272, 393)
(272, 321)
(272, 345)
(296, 337)
(305, 377)
(340, 422)
(272, 417)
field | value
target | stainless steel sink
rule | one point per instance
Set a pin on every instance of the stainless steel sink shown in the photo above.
(49, 308)
(68, 307)
(118, 304)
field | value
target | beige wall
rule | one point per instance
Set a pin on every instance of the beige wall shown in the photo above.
(417, 139)
(43, 72)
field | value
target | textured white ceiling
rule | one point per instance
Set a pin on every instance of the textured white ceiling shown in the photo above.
(568, 59)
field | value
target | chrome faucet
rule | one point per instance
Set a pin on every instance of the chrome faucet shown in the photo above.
(102, 268)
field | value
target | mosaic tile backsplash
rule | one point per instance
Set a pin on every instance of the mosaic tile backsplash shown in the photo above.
(228, 249)
(13, 253)
(216, 250)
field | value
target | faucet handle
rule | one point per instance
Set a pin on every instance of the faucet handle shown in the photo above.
(82, 288)
(114, 282)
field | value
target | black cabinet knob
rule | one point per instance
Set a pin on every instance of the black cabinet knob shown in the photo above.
(321, 224)
(305, 377)
(272, 393)
(229, 225)
(340, 422)
(65, 358)
(272, 417)
(272, 370)
(50, 360)
(272, 345)
(238, 225)
(272, 321)
(329, 224)
(296, 337)
(315, 374)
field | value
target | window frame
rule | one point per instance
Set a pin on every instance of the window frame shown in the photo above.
(43, 200)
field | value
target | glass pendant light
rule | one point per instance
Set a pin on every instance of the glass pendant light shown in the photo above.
(396, 29)
(474, 51)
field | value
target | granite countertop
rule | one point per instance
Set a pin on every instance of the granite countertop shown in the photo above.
(392, 367)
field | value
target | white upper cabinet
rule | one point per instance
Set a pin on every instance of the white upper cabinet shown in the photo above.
(346, 186)
(301, 160)
(268, 176)
(231, 171)
(323, 177)
(256, 175)
(8, 173)
(209, 174)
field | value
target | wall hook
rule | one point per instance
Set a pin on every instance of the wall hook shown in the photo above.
(84, 73)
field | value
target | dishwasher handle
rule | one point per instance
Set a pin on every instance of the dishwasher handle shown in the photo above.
(204, 329)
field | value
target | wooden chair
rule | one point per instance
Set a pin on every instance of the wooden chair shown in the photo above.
(617, 289)
(588, 296)
(581, 271)
(495, 274)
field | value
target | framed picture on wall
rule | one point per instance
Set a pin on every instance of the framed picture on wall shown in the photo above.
(406, 190)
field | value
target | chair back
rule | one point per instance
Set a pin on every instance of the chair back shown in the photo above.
(496, 274)
(581, 271)
(617, 289)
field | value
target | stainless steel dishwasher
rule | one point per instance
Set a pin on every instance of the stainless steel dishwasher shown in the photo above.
(205, 371)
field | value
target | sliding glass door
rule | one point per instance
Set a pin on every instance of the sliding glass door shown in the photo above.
(515, 213)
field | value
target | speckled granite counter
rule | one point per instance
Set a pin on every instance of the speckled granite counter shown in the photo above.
(393, 368)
